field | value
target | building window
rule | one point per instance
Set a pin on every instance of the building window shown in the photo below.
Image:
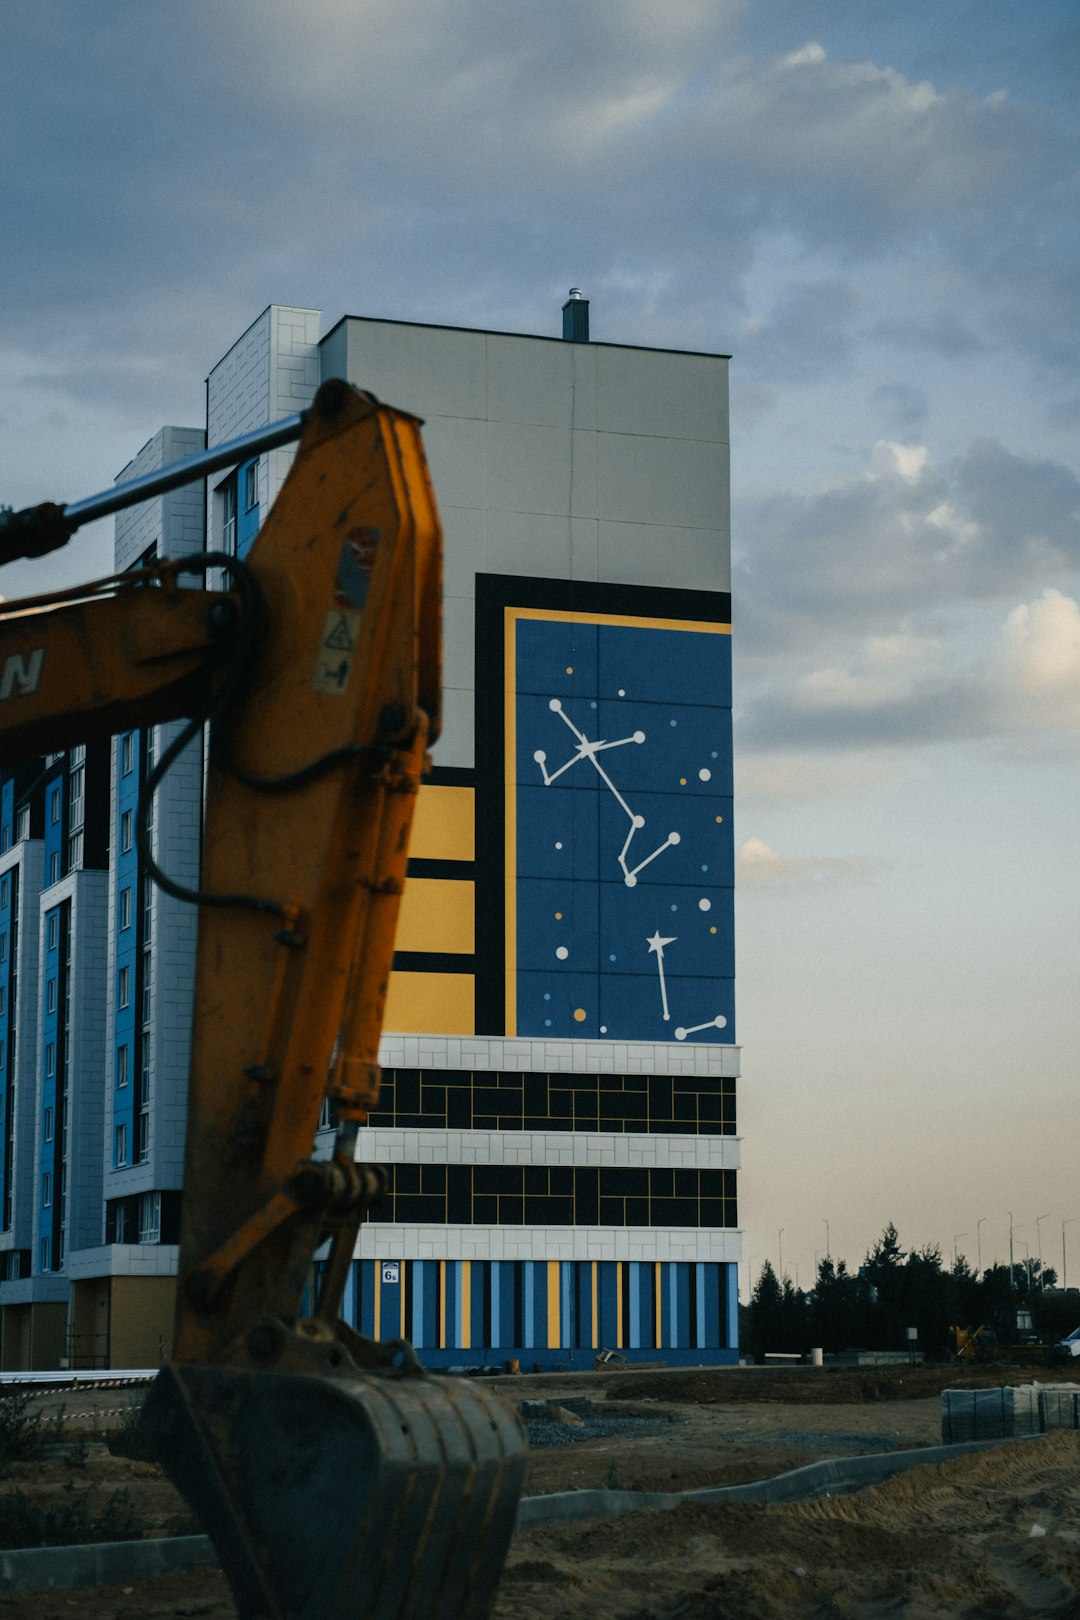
(50, 1059)
(121, 1146)
(43, 1254)
(228, 515)
(50, 996)
(142, 1137)
(3, 999)
(251, 486)
(75, 851)
(147, 988)
(5, 891)
(123, 987)
(54, 805)
(47, 1125)
(46, 1190)
(125, 908)
(22, 824)
(5, 839)
(52, 934)
(119, 1222)
(144, 1069)
(3, 946)
(127, 753)
(77, 796)
(150, 1217)
(125, 832)
(122, 1065)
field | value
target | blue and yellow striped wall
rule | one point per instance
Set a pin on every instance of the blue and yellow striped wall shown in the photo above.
(548, 1313)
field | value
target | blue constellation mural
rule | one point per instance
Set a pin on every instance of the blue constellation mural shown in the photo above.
(621, 794)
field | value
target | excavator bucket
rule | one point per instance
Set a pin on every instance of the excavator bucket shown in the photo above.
(388, 1495)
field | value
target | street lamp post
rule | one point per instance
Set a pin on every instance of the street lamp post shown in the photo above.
(1064, 1269)
(828, 1251)
(1012, 1229)
(978, 1239)
(1038, 1240)
(780, 1245)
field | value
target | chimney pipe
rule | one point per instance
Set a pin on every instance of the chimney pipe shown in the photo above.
(575, 318)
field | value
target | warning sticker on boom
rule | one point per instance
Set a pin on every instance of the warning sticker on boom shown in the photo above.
(336, 653)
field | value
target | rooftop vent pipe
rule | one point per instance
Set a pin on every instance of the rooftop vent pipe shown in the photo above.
(575, 318)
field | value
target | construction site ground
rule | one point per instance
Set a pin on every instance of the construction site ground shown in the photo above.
(994, 1533)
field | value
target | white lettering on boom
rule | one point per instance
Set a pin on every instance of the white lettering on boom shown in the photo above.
(24, 676)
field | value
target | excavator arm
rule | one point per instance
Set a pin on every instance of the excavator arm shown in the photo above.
(336, 1478)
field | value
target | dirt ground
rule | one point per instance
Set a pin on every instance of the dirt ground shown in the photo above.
(996, 1533)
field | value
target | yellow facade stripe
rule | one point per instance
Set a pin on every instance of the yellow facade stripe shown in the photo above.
(431, 1004)
(595, 1309)
(466, 1304)
(378, 1301)
(659, 1310)
(553, 1304)
(632, 620)
(444, 824)
(442, 1304)
(437, 915)
(510, 853)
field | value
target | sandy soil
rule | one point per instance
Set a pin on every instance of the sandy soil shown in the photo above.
(996, 1533)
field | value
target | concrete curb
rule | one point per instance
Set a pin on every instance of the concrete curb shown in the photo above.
(102, 1563)
(834, 1477)
(111, 1563)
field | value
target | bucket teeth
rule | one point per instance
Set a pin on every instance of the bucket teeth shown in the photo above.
(359, 1496)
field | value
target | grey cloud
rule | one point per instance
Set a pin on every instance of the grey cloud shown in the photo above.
(942, 333)
(879, 546)
(808, 330)
(903, 406)
(953, 710)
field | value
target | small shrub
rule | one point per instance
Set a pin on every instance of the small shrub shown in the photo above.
(74, 1519)
(25, 1429)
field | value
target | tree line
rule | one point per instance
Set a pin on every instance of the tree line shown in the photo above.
(895, 1289)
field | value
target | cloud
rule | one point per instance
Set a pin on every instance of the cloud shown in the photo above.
(904, 406)
(903, 537)
(758, 866)
(1042, 662)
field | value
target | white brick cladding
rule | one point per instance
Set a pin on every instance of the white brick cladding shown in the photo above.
(483, 1052)
(172, 522)
(29, 857)
(652, 1150)
(379, 1241)
(88, 894)
(125, 1260)
(270, 372)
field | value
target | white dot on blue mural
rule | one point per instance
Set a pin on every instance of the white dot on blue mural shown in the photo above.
(603, 1029)
(674, 908)
(704, 868)
(714, 755)
(674, 722)
(592, 704)
(558, 843)
(547, 995)
(561, 952)
(611, 957)
(704, 775)
(547, 1023)
(704, 905)
(622, 691)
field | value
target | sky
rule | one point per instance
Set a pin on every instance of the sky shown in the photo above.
(873, 209)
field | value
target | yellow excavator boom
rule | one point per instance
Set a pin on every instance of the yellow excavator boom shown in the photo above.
(335, 1476)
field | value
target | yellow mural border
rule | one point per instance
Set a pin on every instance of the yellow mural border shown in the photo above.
(511, 616)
